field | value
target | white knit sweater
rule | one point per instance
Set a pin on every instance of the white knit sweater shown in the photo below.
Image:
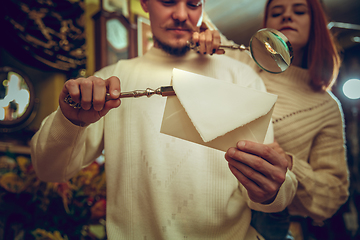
(158, 186)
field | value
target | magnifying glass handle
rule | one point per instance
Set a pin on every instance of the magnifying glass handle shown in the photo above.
(193, 46)
(163, 91)
(235, 46)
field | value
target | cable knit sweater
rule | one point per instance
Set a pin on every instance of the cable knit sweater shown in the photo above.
(309, 126)
(158, 187)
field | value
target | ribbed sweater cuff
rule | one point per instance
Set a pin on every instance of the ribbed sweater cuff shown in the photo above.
(299, 168)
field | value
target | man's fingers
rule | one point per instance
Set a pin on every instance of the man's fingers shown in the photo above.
(202, 44)
(72, 87)
(264, 151)
(257, 192)
(251, 160)
(195, 37)
(254, 175)
(216, 41)
(99, 93)
(209, 41)
(256, 163)
(113, 86)
(86, 87)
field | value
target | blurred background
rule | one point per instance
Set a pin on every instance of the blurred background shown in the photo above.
(46, 42)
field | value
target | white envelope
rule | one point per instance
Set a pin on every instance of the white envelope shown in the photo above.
(215, 113)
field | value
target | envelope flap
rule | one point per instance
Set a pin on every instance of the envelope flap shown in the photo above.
(217, 107)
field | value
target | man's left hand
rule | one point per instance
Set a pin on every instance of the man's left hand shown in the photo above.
(259, 168)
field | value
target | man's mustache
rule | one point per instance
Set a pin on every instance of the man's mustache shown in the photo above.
(182, 26)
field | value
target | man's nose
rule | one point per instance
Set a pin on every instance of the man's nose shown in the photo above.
(180, 12)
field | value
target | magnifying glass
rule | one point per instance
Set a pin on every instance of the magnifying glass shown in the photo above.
(269, 48)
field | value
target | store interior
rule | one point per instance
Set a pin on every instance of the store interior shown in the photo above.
(46, 42)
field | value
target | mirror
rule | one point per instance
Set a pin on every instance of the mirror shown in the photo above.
(17, 100)
(269, 48)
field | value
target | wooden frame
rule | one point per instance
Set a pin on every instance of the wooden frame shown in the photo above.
(103, 51)
(144, 35)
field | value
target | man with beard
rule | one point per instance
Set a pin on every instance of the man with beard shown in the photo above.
(158, 186)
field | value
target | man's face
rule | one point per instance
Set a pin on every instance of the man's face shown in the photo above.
(173, 21)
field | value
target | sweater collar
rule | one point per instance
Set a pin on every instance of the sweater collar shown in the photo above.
(297, 74)
(157, 53)
(293, 75)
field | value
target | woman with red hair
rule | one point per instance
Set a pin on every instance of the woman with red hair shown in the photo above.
(308, 118)
(313, 46)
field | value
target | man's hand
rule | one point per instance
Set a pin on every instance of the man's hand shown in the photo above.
(208, 42)
(259, 168)
(275, 145)
(90, 92)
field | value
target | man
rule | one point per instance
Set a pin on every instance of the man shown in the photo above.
(158, 186)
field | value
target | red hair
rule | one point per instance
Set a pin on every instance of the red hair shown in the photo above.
(323, 60)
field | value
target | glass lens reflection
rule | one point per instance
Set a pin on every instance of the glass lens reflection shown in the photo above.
(270, 50)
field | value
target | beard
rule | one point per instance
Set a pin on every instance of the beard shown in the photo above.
(175, 51)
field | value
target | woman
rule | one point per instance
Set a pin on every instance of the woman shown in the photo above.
(308, 119)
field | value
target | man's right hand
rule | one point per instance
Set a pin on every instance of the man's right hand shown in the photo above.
(208, 41)
(90, 93)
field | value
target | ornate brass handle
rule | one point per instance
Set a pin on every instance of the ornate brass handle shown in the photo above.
(163, 91)
(193, 46)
